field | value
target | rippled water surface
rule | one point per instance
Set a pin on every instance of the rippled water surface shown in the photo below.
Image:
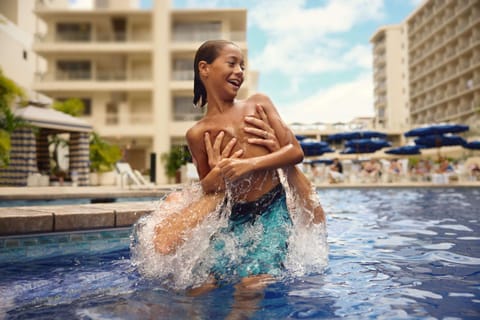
(393, 254)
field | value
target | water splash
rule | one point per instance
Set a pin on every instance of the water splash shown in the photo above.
(190, 264)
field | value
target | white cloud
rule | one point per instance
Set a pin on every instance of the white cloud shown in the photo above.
(303, 41)
(417, 3)
(360, 56)
(308, 40)
(293, 17)
(339, 103)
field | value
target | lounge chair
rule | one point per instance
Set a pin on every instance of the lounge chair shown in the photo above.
(142, 179)
(131, 177)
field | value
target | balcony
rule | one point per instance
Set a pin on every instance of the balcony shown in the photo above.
(380, 48)
(380, 101)
(129, 117)
(79, 42)
(188, 40)
(183, 110)
(182, 75)
(77, 36)
(100, 80)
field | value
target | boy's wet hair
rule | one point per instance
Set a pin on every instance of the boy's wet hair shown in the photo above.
(207, 52)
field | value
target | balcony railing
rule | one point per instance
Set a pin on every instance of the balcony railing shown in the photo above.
(190, 36)
(187, 116)
(94, 76)
(182, 75)
(141, 118)
(87, 37)
(117, 119)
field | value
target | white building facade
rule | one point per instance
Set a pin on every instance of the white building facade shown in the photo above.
(390, 74)
(132, 67)
(17, 59)
(444, 62)
(437, 51)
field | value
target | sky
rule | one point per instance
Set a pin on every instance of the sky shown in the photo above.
(314, 57)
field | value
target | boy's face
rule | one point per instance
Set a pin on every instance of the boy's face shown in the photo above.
(226, 72)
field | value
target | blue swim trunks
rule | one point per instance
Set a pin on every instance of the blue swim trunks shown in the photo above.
(256, 238)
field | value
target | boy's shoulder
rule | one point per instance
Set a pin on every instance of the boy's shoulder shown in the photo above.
(196, 130)
(261, 99)
(258, 98)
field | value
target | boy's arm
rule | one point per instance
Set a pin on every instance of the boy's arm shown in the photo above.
(289, 153)
(296, 179)
(172, 231)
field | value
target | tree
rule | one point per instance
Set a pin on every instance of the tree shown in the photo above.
(103, 155)
(9, 93)
(73, 107)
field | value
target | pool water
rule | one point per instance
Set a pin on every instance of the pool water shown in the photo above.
(74, 201)
(393, 254)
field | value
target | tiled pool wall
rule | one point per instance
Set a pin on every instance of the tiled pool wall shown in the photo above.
(23, 248)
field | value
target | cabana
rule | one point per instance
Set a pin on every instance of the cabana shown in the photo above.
(29, 151)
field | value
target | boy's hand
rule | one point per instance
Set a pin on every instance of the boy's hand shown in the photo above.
(261, 128)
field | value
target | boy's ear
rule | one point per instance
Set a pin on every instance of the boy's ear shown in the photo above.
(204, 68)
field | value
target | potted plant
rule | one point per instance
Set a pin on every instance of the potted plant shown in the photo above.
(103, 157)
(173, 161)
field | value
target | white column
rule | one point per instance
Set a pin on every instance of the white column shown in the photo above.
(161, 77)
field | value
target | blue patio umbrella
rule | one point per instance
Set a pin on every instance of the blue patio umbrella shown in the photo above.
(436, 129)
(300, 137)
(364, 146)
(367, 145)
(315, 148)
(437, 141)
(337, 137)
(404, 150)
(322, 161)
(474, 145)
(319, 161)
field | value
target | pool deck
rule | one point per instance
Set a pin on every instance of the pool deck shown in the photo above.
(58, 218)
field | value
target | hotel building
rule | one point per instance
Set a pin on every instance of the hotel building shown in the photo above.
(132, 67)
(444, 62)
(435, 63)
(17, 59)
(390, 74)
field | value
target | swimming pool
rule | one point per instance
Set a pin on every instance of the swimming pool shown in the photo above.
(394, 254)
(73, 201)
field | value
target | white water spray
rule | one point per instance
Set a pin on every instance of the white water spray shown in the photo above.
(190, 264)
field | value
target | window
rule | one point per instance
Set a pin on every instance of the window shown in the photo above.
(381, 113)
(119, 25)
(73, 70)
(112, 113)
(183, 110)
(73, 31)
(197, 31)
(182, 70)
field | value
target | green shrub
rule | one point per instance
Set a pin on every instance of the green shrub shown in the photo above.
(103, 155)
(174, 159)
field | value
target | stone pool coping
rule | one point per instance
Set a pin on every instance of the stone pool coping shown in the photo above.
(68, 192)
(47, 219)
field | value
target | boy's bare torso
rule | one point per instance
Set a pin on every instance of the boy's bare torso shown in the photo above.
(232, 123)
